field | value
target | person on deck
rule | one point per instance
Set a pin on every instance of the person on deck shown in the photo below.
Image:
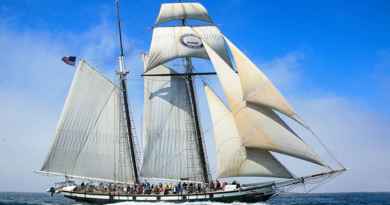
(224, 185)
(211, 186)
(199, 188)
(218, 186)
(179, 188)
(166, 189)
(185, 187)
(52, 191)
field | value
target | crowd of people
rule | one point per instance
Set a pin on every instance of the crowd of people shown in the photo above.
(157, 189)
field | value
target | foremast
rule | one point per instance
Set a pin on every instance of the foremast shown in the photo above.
(122, 74)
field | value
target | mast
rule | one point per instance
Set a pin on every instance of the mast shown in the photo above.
(192, 144)
(122, 73)
(202, 155)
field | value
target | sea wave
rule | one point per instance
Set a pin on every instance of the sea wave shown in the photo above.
(184, 203)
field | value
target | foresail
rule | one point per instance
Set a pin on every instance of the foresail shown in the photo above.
(179, 11)
(259, 126)
(91, 140)
(233, 158)
(170, 150)
(257, 88)
(169, 43)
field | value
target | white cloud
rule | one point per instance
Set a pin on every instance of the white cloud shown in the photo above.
(285, 70)
(30, 82)
(33, 86)
(357, 136)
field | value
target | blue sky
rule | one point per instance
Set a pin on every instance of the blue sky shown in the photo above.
(331, 59)
(342, 41)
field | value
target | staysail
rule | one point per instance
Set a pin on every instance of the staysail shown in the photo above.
(91, 139)
(233, 158)
(179, 11)
(258, 125)
(170, 150)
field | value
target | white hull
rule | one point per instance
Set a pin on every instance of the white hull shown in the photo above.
(248, 194)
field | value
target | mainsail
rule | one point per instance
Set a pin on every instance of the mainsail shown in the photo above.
(170, 150)
(91, 139)
(233, 158)
(258, 125)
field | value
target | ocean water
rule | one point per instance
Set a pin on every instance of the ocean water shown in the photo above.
(12, 198)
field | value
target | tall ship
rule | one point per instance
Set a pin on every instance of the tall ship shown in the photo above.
(96, 142)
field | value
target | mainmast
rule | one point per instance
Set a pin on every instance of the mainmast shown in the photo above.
(122, 73)
(181, 41)
(202, 154)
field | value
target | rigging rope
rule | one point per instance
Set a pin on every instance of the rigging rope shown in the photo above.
(323, 145)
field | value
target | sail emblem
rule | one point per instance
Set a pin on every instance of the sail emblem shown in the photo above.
(191, 41)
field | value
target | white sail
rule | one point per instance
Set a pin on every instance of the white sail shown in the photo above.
(233, 158)
(170, 150)
(91, 139)
(169, 43)
(261, 127)
(228, 78)
(179, 11)
(257, 88)
(258, 125)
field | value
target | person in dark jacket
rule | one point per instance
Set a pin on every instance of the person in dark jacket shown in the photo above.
(52, 191)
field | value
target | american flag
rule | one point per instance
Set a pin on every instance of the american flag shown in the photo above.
(70, 60)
